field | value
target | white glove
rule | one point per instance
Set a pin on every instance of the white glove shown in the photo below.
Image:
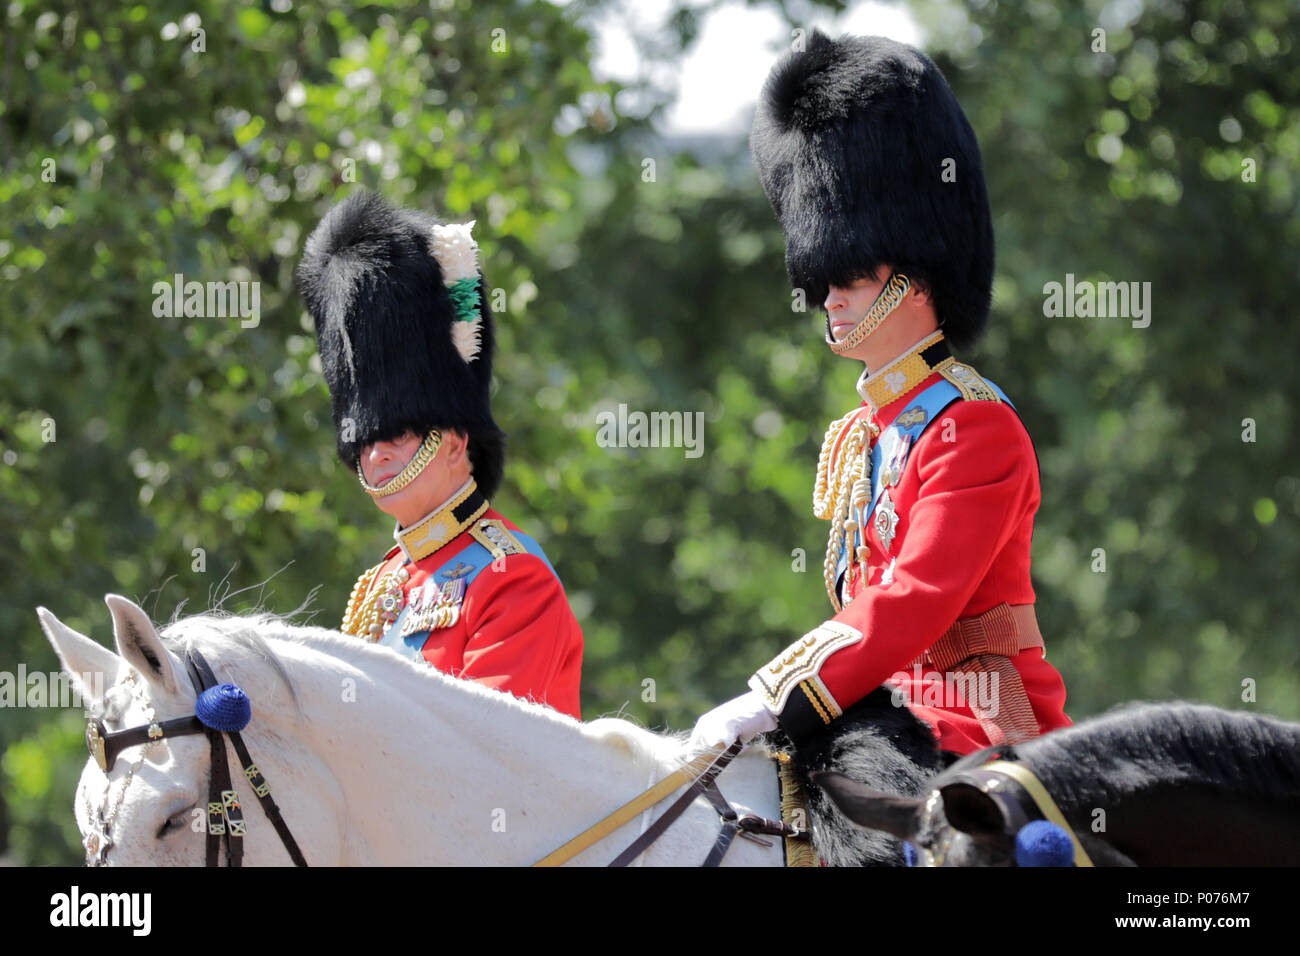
(740, 718)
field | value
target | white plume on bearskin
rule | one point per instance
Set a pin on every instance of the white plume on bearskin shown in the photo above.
(454, 247)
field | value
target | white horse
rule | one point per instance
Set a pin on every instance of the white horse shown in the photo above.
(374, 760)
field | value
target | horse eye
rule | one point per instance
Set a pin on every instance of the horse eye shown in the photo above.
(176, 822)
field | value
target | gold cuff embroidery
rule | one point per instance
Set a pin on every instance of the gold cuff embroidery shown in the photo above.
(800, 661)
(820, 698)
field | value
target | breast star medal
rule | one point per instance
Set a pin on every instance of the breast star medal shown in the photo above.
(886, 521)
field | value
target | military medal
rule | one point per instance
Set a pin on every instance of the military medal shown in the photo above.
(886, 520)
(388, 603)
(894, 445)
(419, 608)
(445, 610)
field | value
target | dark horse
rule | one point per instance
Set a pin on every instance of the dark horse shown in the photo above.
(875, 743)
(1173, 784)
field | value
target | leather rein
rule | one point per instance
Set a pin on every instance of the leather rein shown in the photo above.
(221, 711)
(731, 823)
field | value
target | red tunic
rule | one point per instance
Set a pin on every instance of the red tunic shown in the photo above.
(965, 502)
(962, 545)
(515, 631)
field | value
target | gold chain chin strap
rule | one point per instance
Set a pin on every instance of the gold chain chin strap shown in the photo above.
(428, 449)
(890, 296)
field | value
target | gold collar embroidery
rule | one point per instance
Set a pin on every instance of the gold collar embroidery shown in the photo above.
(898, 377)
(436, 529)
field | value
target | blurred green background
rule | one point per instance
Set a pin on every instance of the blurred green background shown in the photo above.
(127, 156)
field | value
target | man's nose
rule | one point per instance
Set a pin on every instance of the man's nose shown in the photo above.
(834, 301)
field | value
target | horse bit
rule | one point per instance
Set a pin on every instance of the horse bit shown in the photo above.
(221, 710)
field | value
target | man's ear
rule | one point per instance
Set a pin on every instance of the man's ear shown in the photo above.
(456, 445)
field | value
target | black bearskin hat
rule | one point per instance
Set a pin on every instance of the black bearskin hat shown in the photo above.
(867, 158)
(384, 325)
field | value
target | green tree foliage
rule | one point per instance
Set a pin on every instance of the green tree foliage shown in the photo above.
(631, 271)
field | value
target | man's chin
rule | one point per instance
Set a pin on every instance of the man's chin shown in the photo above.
(840, 332)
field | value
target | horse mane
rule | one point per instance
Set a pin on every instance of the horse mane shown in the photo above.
(876, 743)
(1143, 746)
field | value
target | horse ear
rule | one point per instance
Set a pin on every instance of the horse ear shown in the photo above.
(869, 808)
(90, 666)
(139, 644)
(972, 811)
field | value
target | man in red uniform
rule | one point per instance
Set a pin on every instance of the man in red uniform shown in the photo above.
(406, 341)
(931, 485)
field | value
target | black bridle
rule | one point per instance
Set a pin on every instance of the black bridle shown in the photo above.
(732, 823)
(221, 710)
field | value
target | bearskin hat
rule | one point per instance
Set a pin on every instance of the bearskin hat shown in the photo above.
(867, 158)
(403, 345)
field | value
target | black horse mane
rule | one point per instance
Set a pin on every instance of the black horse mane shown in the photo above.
(1143, 746)
(877, 743)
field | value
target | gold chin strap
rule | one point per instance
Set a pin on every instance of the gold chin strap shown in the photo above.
(888, 300)
(427, 450)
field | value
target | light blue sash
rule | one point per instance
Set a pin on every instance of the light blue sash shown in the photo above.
(475, 557)
(929, 403)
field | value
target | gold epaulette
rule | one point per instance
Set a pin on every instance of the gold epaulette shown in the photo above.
(352, 616)
(967, 380)
(496, 537)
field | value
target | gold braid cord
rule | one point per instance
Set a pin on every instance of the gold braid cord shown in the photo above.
(359, 592)
(367, 613)
(794, 811)
(843, 482)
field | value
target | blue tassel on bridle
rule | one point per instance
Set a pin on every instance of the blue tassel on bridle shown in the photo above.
(224, 707)
(1042, 843)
